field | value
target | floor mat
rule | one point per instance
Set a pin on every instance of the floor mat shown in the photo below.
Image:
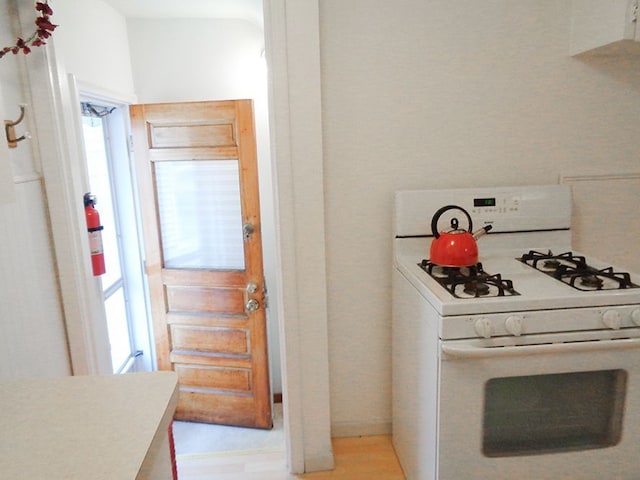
(192, 438)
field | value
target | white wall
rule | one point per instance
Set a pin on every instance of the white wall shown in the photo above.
(179, 60)
(32, 331)
(92, 44)
(429, 94)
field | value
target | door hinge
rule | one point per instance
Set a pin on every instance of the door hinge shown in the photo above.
(265, 301)
(130, 144)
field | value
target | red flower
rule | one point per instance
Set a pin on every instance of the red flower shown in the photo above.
(44, 8)
(43, 23)
(36, 39)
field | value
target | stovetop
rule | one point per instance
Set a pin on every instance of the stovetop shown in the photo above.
(528, 222)
(471, 282)
(574, 270)
(514, 285)
(474, 282)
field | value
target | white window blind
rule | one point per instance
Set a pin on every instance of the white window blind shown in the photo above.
(200, 214)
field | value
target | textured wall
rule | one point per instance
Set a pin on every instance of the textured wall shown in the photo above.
(32, 333)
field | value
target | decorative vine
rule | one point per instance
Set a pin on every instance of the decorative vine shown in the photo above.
(44, 29)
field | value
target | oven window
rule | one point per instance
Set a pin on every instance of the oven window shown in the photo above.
(553, 413)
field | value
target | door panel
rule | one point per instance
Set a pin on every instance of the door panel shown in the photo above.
(193, 136)
(205, 300)
(214, 340)
(201, 404)
(236, 379)
(198, 184)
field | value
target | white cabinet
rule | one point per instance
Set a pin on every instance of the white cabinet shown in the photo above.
(610, 25)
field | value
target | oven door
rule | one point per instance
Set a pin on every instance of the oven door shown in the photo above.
(543, 410)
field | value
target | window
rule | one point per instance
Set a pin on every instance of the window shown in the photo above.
(105, 140)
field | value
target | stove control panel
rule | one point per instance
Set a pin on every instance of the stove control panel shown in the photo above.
(519, 324)
(483, 327)
(612, 319)
(507, 209)
(489, 205)
(511, 210)
(513, 325)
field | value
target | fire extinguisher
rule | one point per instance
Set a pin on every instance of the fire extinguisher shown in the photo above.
(95, 234)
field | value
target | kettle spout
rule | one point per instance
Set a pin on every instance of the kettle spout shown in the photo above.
(480, 232)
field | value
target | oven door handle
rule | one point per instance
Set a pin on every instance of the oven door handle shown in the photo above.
(471, 351)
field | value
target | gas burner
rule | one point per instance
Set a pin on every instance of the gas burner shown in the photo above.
(475, 288)
(574, 271)
(469, 282)
(549, 262)
(591, 281)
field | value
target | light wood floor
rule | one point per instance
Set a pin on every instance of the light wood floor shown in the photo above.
(357, 458)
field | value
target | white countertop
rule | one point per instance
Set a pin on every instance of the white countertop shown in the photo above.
(85, 427)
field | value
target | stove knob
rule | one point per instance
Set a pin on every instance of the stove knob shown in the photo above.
(513, 325)
(611, 318)
(483, 328)
(635, 316)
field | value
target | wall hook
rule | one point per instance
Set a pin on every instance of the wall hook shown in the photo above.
(10, 131)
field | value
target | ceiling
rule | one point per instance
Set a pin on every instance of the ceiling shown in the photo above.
(250, 10)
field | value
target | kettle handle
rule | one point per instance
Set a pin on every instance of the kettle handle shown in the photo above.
(438, 214)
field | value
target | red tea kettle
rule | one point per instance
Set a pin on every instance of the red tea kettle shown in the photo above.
(457, 247)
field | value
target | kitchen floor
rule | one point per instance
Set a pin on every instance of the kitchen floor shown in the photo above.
(356, 458)
(215, 452)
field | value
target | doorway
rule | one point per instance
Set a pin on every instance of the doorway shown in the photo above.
(106, 132)
(295, 73)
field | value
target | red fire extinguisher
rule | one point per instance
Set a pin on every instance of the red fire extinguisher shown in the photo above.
(95, 234)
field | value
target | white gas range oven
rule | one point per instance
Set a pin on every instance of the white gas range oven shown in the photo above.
(524, 366)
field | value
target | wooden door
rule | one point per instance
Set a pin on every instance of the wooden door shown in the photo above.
(198, 185)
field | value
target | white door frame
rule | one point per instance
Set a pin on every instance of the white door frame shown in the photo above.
(65, 180)
(293, 56)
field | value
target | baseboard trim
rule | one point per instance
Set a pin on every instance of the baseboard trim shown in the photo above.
(360, 429)
(319, 463)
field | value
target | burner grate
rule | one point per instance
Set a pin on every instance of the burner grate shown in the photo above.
(576, 272)
(469, 282)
